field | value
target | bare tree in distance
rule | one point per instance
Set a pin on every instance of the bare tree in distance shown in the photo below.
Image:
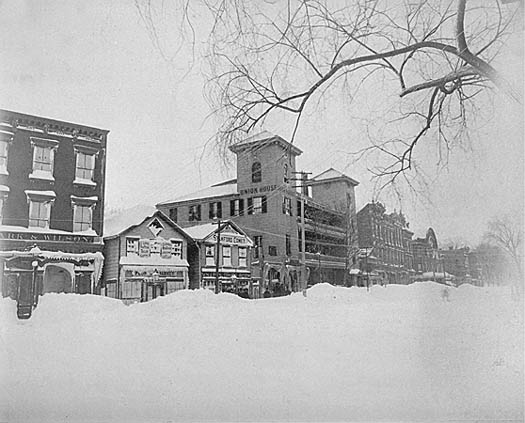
(281, 58)
(507, 233)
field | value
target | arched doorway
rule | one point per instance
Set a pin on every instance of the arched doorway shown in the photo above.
(58, 277)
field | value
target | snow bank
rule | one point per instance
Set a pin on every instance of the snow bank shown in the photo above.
(394, 353)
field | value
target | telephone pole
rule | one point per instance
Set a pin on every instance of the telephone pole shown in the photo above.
(303, 194)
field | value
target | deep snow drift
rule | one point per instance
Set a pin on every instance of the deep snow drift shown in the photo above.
(394, 353)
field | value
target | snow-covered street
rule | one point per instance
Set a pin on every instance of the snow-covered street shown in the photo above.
(394, 353)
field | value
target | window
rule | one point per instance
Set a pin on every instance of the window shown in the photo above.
(215, 210)
(194, 213)
(39, 213)
(85, 168)
(242, 256)
(257, 205)
(176, 248)
(40, 203)
(272, 250)
(226, 255)
(256, 172)
(155, 227)
(285, 172)
(287, 206)
(132, 246)
(43, 158)
(210, 255)
(4, 146)
(237, 207)
(173, 214)
(131, 289)
(288, 245)
(257, 248)
(82, 218)
(83, 212)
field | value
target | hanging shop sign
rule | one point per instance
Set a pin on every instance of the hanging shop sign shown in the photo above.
(144, 248)
(165, 251)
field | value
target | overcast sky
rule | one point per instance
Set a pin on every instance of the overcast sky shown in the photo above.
(94, 63)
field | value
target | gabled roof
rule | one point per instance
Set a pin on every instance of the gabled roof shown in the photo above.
(330, 175)
(201, 232)
(221, 189)
(159, 215)
(261, 139)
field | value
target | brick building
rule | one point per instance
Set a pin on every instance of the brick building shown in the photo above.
(264, 201)
(52, 178)
(388, 237)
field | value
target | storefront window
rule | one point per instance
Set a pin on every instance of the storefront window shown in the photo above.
(131, 289)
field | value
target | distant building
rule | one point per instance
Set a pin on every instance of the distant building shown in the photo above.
(263, 200)
(388, 237)
(147, 260)
(234, 264)
(52, 179)
(455, 262)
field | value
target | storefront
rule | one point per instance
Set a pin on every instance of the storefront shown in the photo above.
(146, 278)
(147, 260)
(224, 258)
(26, 275)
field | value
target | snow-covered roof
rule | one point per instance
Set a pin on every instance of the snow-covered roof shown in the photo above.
(201, 232)
(153, 260)
(217, 190)
(263, 138)
(4, 188)
(331, 174)
(157, 214)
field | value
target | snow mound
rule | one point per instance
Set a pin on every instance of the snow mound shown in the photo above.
(394, 353)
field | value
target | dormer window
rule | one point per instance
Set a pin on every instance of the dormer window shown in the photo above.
(256, 172)
(43, 158)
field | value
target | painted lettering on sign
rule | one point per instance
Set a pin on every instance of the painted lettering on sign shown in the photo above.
(257, 190)
(27, 236)
(230, 239)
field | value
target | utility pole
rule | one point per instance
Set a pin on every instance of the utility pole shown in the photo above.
(303, 193)
(217, 255)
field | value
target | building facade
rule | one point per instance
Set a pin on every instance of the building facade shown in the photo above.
(147, 260)
(223, 266)
(52, 180)
(388, 237)
(428, 264)
(264, 201)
